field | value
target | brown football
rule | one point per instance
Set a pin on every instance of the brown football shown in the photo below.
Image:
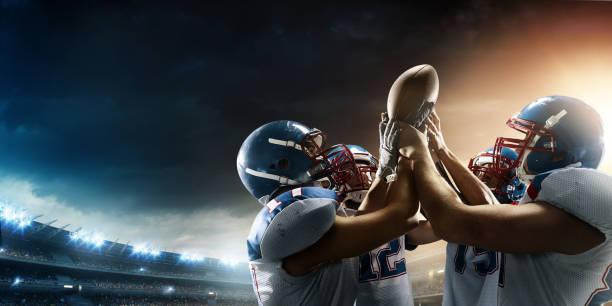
(411, 90)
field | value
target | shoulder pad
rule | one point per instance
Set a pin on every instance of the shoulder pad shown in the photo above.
(583, 193)
(536, 184)
(291, 222)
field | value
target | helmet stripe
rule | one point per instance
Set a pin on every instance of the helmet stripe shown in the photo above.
(550, 122)
(285, 143)
(280, 179)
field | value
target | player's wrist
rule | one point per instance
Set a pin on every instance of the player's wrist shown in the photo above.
(444, 152)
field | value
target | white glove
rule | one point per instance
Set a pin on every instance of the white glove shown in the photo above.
(388, 131)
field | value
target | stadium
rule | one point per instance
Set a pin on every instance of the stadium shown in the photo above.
(42, 264)
(425, 266)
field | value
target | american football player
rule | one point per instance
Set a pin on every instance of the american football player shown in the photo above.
(382, 271)
(557, 241)
(505, 185)
(471, 273)
(302, 246)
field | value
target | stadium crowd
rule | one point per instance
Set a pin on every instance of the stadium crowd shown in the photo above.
(427, 285)
(10, 275)
(155, 301)
(198, 272)
(11, 298)
(29, 254)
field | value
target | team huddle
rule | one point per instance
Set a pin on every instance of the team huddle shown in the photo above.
(528, 221)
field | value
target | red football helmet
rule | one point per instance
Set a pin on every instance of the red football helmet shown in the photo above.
(344, 168)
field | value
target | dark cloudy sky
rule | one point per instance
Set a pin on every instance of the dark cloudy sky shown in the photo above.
(127, 118)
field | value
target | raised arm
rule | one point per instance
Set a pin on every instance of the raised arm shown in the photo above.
(529, 228)
(387, 157)
(375, 198)
(473, 190)
(353, 236)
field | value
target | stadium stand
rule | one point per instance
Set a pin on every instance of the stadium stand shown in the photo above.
(45, 265)
(425, 267)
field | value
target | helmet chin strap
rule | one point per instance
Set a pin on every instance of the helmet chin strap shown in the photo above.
(356, 196)
(522, 174)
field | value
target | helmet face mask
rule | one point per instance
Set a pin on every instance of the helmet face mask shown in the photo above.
(503, 183)
(537, 139)
(313, 143)
(344, 169)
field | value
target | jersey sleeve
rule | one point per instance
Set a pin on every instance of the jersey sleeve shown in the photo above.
(583, 193)
(291, 222)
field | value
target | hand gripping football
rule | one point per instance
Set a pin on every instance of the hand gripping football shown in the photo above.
(413, 95)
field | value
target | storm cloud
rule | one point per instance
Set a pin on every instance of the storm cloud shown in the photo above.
(128, 117)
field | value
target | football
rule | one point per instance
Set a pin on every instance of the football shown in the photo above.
(413, 95)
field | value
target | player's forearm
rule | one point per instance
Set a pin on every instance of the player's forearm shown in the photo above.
(402, 191)
(375, 198)
(473, 189)
(422, 234)
(441, 203)
(350, 237)
(370, 231)
(397, 218)
(353, 236)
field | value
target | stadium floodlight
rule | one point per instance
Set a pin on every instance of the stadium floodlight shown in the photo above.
(97, 240)
(2, 250)
(169, 289)
(90, 238)
(17, 281)
(144, 250)
(11, 216)
(191, 257)
(86, 238)
(74, 236)
(228, 261)
(8, 214)
(140, 248)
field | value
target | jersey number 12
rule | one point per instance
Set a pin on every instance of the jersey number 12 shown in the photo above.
(386, 259)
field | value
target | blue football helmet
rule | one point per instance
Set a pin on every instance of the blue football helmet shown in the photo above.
(287, 153)
(506, 187)
(559, 131)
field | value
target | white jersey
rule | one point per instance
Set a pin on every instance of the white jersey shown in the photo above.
(382, 276)
(559, 279)
(288, 224)
(471, 276)
(330, 284)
